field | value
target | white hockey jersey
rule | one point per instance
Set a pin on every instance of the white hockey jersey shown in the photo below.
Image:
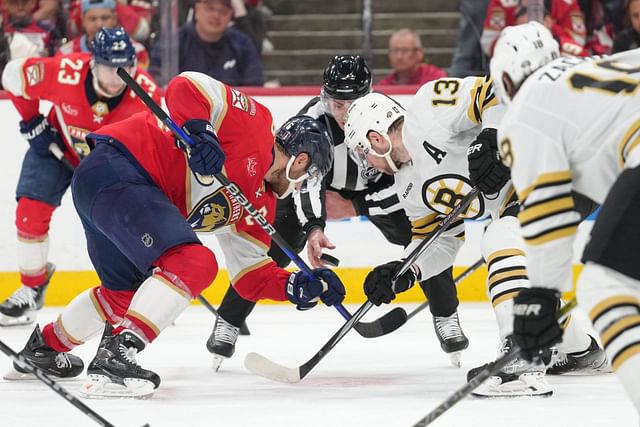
(573, 125)
(443, 119)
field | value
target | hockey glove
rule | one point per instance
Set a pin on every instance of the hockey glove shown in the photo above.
(535, 321)
(378, 285)
(205, 155)
(304, 291)
(39, 134)
(486, 170)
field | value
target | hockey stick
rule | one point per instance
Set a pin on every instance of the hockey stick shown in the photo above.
(487, 372)
(457, 280)
(387, 323)
(27, 366)
(264, 367)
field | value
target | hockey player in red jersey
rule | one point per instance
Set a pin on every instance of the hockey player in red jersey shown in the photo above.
(86, 93)
(141, 200)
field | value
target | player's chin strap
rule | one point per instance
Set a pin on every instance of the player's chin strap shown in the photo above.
(387, 154)
(292, 182)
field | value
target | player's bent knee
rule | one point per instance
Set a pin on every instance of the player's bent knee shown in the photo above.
(501, 234)
(192, 264)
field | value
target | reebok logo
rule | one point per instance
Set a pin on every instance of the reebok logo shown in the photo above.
(527, 309)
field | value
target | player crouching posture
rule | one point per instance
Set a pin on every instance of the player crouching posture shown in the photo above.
(437, 149)
(574, 124)
(141, 200)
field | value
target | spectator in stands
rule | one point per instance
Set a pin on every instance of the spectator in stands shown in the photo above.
(629, 38)
(563, 17)
(43, 10)
(468, 58)
(29, 37)
(406, 56)
(210, 46)
(97, 14)
(598, 18)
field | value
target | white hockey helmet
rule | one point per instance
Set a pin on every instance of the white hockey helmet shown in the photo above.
(373, 112)
(519, 51)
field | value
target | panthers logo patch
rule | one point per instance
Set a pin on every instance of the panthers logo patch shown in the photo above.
(444, 192)
(215, 211)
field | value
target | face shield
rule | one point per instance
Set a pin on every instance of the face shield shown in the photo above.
(336, 108)
(107, 79)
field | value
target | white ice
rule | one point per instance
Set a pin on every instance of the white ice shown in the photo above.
(389, 381)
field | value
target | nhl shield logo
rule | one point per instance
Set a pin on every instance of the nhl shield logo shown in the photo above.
(147, 240)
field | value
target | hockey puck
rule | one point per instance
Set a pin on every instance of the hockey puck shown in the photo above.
(331, 260)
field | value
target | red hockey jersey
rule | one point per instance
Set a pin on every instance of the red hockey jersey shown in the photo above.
(67, 82)
(246, 134)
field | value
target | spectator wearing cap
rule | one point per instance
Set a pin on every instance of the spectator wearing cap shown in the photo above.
(208, 45)
(97, 14)
(29, 36)
(406, 56)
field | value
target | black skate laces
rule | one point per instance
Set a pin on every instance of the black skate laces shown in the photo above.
(225, 331)
(448, 327)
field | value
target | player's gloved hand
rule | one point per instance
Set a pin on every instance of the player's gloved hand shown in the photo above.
(205, 156)
(379, 287)
(535, 322)
(486, 170)
(304, 291)
(39, 134)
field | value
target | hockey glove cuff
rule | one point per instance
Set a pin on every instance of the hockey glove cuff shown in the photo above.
(535, 321)
(379, 286)
(486, 170)
(39, 134)
(205, 155)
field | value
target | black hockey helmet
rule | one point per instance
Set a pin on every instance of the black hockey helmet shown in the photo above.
(346, 77)
(303, 134)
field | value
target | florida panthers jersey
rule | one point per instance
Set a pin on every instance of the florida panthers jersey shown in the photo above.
(443, 119)
(246, 134)
(573, 125)
(67, 82)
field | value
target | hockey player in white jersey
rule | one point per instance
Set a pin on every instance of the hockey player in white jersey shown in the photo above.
(437, 149)
(574, 124)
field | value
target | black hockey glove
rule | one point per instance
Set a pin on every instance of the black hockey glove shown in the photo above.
(535, 321)
(379, 287)
(486, 170)
(39, 134)
(205, 156)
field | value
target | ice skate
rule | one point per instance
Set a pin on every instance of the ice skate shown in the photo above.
(53, 363)
(589, 362)
(114, 371)
(222, 342)
(452, 339)
(22, 306)
(518, 378)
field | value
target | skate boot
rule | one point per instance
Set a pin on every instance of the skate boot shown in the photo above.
(518, 378)
(113, 372)
(452, 339)
(53, 363)
(591, 361)
(222, 342)
(21, 307)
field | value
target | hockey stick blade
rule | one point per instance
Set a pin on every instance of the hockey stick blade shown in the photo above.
(383, 325)
(266, 368)
(487, 372)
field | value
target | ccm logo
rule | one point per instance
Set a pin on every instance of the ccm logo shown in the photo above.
(527, 309)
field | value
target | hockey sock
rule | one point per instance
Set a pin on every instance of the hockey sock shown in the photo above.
(32, 221)
(442, 293)
(82, 319)
(235, 309)
(181, 274)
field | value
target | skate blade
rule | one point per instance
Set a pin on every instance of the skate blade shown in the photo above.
(101, 387)
(13, 375)
(525, 386)
(217, 361)
(455, 358)
(26, 319)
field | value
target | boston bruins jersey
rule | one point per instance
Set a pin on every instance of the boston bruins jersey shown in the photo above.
(574, 125)
(443, 119)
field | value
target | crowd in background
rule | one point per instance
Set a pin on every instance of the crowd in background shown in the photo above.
(227, 39)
